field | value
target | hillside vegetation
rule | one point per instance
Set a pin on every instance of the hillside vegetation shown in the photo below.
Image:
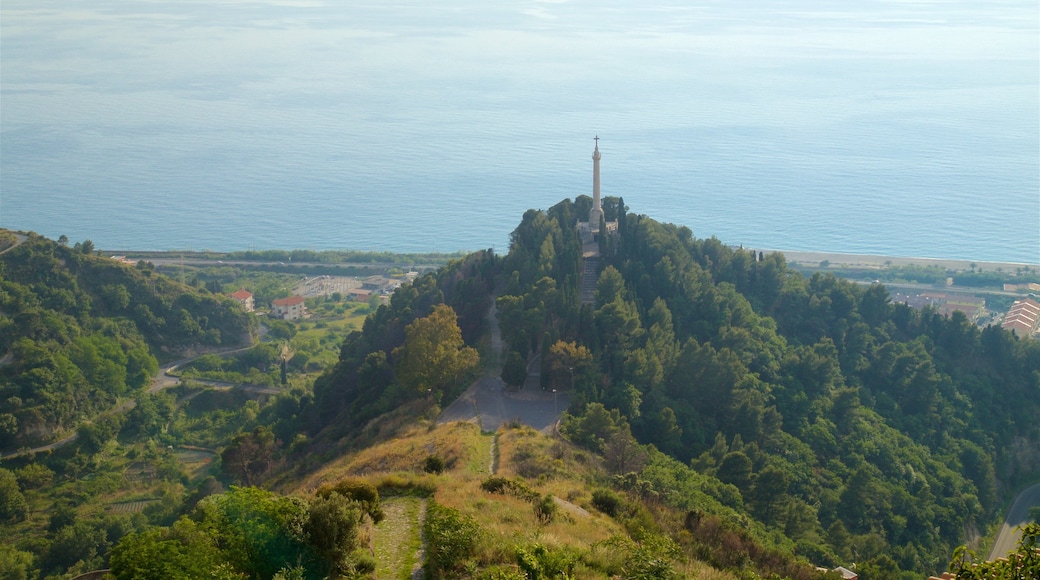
(841, 427)
(79, 331)
(484, 519)
(729, 418)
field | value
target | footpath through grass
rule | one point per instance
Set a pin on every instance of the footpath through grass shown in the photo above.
(397, 539)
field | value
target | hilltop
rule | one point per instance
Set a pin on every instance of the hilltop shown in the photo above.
(727, 416)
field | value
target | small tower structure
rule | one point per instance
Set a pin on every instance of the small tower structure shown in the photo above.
(596, 213)
(590, 230)
(590, 235)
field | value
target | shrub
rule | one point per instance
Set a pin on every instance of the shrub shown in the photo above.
(364, 493)
(451, 538)
(546, 509)
(606, 501)
(495, 484)
(501, 573)
(538, 562)
(514, 487)
(434, 464)
(422, 486)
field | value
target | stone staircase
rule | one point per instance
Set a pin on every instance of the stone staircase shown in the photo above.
(589, 276)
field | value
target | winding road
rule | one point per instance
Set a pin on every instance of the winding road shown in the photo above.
(1018, 515)
(163, 380)
(19, 240)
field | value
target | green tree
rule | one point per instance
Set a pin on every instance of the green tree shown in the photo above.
(34, 476)
(769, 492)
(594, 428)
(183, 551)
(250, 455)
(434, 355)
(736, 469)
(259, 532)
(569, 365)
(81, 541)
(514, 371)
(623, 453)
(332, 530)
(15, 564)
(13, 507)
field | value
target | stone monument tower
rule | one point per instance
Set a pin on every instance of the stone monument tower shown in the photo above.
(596, 213)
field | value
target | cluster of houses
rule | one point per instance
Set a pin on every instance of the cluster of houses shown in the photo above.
(1023, 317)
(294, 308)
(291, 308)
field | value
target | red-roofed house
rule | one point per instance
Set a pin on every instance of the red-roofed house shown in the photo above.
(245, 298)
(1023, 317)
(290, 308)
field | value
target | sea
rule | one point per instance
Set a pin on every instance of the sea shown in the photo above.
(892, 127)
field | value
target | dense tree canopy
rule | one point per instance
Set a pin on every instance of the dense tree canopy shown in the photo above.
(433, 355)
(858, 429)
(250, 533)
(78, 331)
(865, 430)
(381, 367)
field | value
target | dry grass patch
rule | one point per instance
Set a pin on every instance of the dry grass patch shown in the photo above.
(528, 453)
(461, 446)
(512, 521)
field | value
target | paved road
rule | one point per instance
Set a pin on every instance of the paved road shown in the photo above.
(1007, 539)
(161, 381)
(489, 403)
(19, 240)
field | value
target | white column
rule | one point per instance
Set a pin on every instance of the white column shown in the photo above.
(597, 208)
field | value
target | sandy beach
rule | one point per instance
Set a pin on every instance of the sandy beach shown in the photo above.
(868, 261)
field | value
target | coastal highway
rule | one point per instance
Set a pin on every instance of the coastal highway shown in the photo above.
(208, 262)
(1018, 515)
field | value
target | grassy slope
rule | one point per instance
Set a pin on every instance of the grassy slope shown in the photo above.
(548, 465)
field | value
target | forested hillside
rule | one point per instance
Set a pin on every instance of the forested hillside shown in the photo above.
(724, 409)
(78, 331)
(865, 430)
(844, 428)
(369, 379)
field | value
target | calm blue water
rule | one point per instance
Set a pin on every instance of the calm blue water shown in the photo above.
(897, 128)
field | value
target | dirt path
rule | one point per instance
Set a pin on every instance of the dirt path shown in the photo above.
(494, 366)
(397, 539)
(493, 452)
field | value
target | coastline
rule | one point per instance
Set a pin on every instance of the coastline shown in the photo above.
(867, 261)
(803, 258)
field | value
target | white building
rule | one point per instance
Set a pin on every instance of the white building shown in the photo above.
(290, 308)
(245, 298)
